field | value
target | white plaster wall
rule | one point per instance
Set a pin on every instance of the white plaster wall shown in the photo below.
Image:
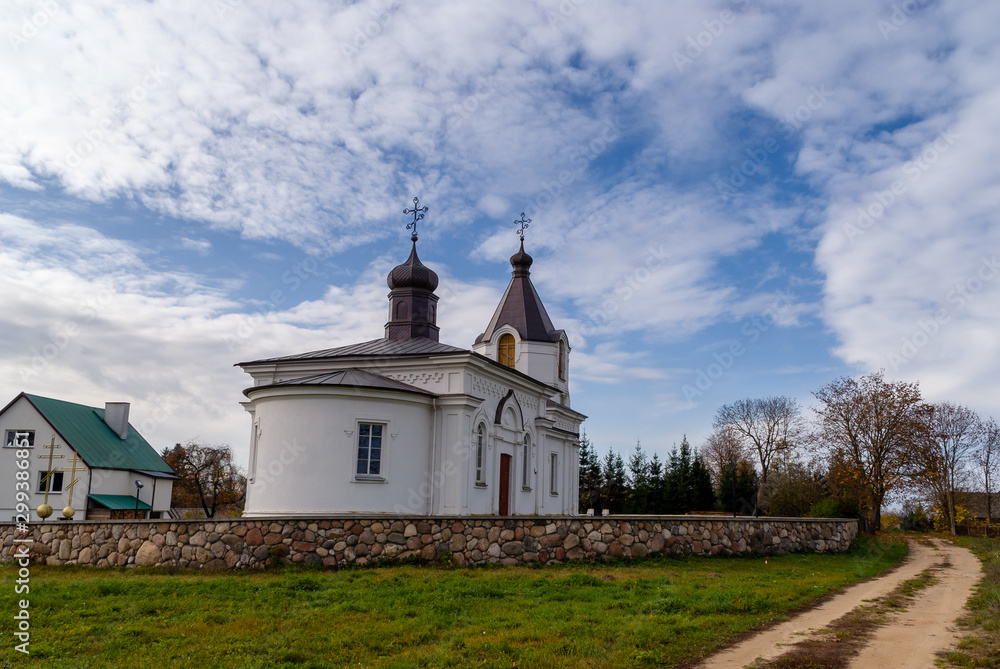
(307, 452)
(122, 482)
(22, 416)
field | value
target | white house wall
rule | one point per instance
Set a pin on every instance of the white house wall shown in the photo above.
(23, 416)
(122, 482)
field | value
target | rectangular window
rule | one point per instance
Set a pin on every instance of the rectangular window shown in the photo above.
(19, 439)
(52, 480)
(369, 449)
(553, 473)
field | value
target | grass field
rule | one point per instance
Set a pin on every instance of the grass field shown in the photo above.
(653, 613)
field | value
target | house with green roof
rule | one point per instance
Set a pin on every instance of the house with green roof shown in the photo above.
(71, 461)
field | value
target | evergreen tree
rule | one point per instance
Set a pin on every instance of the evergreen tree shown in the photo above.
(744, 489)
(702, 493)
(681, 500)
(615, 482)
(655, 498)
(638, 482)
(590, 476)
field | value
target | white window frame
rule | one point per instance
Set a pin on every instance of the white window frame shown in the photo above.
(40, 490)
(480, 455)
(525, 463)
(30, 434)
(554, 473)
(368, 476)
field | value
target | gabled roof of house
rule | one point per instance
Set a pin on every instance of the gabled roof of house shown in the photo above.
(84, 429)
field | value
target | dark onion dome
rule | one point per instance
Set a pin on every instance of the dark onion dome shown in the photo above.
(521, 259)
(412, 274)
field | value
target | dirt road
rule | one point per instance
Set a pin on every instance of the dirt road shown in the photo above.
(910, 640)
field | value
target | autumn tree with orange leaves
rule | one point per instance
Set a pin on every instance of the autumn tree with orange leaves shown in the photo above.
(874, 426)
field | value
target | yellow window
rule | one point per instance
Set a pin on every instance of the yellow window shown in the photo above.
(505, 350)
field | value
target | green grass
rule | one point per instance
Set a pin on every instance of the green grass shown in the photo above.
(981, 646)
(652, 613)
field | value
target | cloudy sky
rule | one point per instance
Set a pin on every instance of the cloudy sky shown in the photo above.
(728, 199)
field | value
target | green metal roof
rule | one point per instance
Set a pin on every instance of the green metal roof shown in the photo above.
(118, 502)
(85, 431)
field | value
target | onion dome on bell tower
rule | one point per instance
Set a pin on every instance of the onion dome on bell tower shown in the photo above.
(412, 302)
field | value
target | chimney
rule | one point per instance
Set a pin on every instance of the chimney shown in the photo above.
(116, 416)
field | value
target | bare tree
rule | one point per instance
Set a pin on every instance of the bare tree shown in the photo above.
(952, 435)
(872, 424)
(208, 477)
(986, 459)
(768, 427)
(720, 448)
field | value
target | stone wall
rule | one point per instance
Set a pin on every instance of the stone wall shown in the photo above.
(253, 543)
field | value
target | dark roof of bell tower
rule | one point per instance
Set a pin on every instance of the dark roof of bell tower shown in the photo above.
(520, 307)
(412, 274)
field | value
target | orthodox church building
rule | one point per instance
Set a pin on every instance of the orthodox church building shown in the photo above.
(407, 425)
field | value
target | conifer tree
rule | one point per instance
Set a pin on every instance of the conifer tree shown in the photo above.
(638, 482)
(590, 476)
(702, 494)
(655, 498)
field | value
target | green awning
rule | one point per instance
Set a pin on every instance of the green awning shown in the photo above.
(119, 502)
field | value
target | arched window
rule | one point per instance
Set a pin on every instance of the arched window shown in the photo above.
(402, 311)
(562, 360)
(526, 464)
(505, 350)
(480, 457)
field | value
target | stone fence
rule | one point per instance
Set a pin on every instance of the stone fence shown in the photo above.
(254, 543)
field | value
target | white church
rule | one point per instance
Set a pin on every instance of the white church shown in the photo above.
(407, 425)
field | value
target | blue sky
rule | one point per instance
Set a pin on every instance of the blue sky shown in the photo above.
(728, 199)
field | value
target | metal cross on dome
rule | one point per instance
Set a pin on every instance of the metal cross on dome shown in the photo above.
(524, 225)
(418, 215)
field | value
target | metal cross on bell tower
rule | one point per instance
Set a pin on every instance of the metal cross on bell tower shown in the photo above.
(418, 215)
(523, 222)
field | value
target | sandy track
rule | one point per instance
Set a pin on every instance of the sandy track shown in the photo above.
(915, 637)
(948, 598)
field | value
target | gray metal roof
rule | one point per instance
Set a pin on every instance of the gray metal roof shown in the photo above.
(352, 378)
(418, 346)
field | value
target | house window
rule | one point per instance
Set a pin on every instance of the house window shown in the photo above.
(562, 360)
(20, 439)
(525, 464)
(51, 480)
(369, 449)
(553, 473)
(505, 350)
(480, 447)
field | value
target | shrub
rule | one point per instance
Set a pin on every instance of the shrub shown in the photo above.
(917, 520)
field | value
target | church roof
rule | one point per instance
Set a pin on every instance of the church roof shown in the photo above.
(418, 346)
(520, 307)
(351, 378)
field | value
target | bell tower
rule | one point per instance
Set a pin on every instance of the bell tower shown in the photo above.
(412, 302)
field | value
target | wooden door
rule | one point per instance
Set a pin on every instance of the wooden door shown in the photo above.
(504, 485)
